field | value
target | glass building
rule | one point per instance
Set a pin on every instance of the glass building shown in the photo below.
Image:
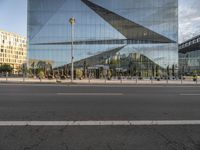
(137, 37)
(189, 57)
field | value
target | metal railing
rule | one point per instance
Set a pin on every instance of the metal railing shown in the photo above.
(6, 78)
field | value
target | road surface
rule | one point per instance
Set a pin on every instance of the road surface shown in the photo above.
(96, 112)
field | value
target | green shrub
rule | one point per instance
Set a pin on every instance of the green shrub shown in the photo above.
(79, 73)
(41, 75)
(6, 68)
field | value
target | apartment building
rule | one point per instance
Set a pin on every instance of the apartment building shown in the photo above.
(13, 50)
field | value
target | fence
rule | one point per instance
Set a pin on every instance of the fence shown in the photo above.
(117, 80)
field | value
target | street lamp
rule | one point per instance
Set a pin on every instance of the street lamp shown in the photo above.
(72, 21)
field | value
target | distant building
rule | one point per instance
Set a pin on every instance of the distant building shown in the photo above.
(189, 56)
(13, 50)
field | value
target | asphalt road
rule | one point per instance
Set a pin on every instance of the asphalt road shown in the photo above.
(94, 103)
(18, 102)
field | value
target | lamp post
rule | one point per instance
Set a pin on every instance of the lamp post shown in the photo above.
(72, 21)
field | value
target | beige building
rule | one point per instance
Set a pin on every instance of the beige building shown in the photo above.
(13, 50)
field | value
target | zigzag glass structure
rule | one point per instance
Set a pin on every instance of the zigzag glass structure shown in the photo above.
(134, 35)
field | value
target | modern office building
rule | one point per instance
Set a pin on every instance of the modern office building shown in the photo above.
(189, 56)
(136, 36)
(13, 50)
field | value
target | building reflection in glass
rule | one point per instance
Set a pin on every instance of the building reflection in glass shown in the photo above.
(136, 37)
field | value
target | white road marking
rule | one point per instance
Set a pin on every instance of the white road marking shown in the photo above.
(62, 94)
(100, 123)
(190, 94)
(103, 85)
(90, 94)
(135, 85)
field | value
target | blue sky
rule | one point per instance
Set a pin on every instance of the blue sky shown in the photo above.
(13, 17)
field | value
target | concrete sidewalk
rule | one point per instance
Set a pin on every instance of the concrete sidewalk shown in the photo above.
(100, 81)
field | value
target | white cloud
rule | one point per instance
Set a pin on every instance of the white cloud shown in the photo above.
(189, 19)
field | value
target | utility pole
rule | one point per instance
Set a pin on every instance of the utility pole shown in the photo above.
(72, 21)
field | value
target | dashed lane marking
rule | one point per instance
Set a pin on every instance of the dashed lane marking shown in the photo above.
(90, 94)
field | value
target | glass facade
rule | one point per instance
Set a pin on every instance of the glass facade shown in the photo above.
(189, 62)
(136, 36)
(189, 57)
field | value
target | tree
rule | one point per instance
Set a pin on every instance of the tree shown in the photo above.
(24, 68)
(32, 70)
(6, 68)
(153, 70)
(48, 68)
(109, 74)
(173, 70)
(198, 60)
(157, 71)
(85, 69)
(168, 73)
(44, 66)
(79, 73)
(41, 74)
(114, 63)
(135, 70)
